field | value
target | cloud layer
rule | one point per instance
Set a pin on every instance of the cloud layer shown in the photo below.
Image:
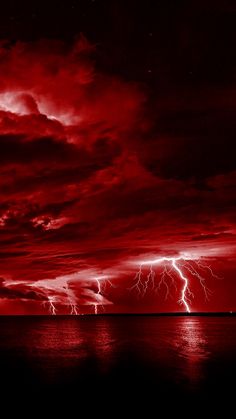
(94, 175)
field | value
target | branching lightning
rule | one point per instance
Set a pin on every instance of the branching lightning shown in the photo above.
(71, 301)
(65, 291)
(99, 293)
(161, 274)
(52, 308)
(182, 267)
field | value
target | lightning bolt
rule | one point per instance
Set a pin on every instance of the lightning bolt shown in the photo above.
(185, 287)
(73, 310)
(173, 267)
(99, 293)
(52, 307)
(62, 291)
(71, 298)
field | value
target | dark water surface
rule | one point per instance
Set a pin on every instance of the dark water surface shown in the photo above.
(123, 359)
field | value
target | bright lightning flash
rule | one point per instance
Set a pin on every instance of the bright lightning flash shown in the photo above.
(52, 307)
(101, 282)
(182, 267)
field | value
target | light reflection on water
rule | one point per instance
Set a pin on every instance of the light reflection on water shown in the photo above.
(192, 346)
(184, 352)
(191, 341)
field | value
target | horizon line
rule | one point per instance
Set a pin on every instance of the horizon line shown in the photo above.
(174, 314)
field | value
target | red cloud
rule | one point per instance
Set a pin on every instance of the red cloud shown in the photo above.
(86, 187)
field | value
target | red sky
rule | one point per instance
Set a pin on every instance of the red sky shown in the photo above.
(97, 176)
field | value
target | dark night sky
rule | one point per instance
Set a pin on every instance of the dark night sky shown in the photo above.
(117, 146)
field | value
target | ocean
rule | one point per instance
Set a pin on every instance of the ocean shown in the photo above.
(128, 361)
